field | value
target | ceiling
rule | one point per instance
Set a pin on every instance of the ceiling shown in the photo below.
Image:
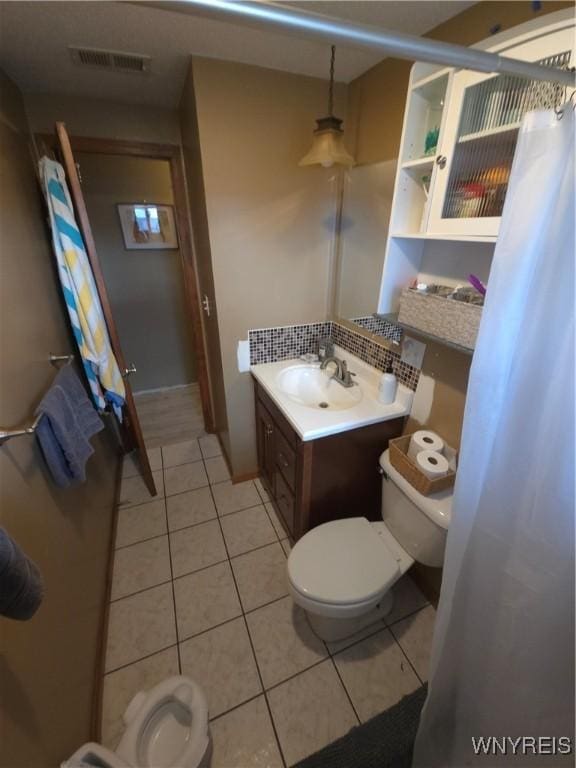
(34, 40)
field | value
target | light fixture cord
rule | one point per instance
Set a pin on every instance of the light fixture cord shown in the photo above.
(331, 87)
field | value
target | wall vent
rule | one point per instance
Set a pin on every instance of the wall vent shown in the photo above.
(118, 61)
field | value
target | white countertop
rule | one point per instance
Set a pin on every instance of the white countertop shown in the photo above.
(311, 423)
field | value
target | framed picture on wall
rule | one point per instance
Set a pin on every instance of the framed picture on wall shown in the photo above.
(147, 226)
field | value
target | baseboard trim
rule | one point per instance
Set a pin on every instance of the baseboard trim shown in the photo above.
(100, 670)
(244, 478)
(165, 389)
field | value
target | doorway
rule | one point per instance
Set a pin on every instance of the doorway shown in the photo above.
(172, 414)
(130, 203)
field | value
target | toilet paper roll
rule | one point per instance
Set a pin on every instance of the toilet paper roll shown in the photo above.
(423, 440)
(433, 464)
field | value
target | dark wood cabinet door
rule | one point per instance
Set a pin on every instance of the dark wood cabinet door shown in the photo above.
(266, 433)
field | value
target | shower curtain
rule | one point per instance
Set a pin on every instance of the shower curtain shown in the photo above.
(503, 651)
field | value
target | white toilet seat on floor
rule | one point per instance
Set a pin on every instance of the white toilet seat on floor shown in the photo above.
(342, 568)
(167, 726)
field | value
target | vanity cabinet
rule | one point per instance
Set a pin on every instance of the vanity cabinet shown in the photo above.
(315, 481)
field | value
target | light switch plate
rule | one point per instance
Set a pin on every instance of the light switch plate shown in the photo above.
(412, 352)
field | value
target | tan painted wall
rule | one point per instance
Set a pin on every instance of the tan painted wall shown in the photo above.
(146, 288)
(270, 222)
(48, 664)
(375, 115)
(103, 119)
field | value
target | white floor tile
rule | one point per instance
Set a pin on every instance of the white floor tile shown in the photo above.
(222, 662)
(181, 453)
(247, 530)
(140, 566)
(204, 599)
(190, 508)
(283, 641)
(310, 711)
(232, 498)
(278, 527)
(131, 466)
(121, 686)
(186, 477)
(196, 547)
(262, 491)
(210, 446)
(140, 625)
(339, 645)
(261, 576)
(133, 490)
(244, 738)
(217, 469)
(141, 522)
(407, 599)
(376, 674)
(415, 636)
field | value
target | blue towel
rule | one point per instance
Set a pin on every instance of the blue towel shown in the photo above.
(21, 588)
(68, 422)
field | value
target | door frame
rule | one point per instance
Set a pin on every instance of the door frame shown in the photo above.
(173, 154)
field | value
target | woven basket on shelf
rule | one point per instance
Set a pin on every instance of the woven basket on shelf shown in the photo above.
(400, 460)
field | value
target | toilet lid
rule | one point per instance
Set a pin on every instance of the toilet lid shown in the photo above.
(341, 562)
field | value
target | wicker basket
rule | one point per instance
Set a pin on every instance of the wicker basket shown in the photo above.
(403, 463)
(454, 321)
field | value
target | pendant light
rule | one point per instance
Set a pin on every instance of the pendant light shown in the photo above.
(328, 143)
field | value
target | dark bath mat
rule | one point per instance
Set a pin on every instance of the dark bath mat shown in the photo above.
(385, 741)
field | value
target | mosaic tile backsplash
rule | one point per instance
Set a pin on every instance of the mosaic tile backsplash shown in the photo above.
(379, 325)
(269, 345)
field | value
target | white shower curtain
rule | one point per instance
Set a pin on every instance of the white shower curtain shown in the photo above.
(503, 652)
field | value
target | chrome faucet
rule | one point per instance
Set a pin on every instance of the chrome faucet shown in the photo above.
(342, 375)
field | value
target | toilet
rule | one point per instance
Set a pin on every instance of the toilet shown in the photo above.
(341, 572)
(166, 727)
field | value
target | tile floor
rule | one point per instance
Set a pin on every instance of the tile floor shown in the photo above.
(199, 588)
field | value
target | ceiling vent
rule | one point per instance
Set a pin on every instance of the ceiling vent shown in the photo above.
(115, 61)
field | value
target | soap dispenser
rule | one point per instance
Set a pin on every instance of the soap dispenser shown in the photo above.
(387, 387)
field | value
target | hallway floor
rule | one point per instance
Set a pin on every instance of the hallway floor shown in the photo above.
(199, 588)
(170, 415)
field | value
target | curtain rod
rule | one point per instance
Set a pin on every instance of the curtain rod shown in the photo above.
(396, 44)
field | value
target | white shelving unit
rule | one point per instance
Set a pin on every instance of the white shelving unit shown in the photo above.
(446, 207)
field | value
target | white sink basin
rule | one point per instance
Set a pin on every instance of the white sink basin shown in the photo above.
(308, 385)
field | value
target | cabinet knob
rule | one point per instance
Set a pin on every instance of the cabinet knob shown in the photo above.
(441, 161)
(269, 430)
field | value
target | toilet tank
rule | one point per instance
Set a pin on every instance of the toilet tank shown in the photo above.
(418, 523)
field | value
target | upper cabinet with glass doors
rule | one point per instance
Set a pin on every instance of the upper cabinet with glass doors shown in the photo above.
(458, 142)
(474, 158)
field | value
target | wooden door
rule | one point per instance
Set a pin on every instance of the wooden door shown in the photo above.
(131, 426)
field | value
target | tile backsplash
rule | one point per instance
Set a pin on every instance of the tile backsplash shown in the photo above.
(379, 325)
(268, 345)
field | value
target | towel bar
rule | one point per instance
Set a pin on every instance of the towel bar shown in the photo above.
(8, 434)
(60, 358)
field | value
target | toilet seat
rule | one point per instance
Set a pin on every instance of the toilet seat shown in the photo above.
(168, 726)
(342, 566)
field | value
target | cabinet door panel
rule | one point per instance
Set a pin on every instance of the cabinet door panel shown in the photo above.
(480, 135)
(285, 502)
(265, 434)
(285, 458)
